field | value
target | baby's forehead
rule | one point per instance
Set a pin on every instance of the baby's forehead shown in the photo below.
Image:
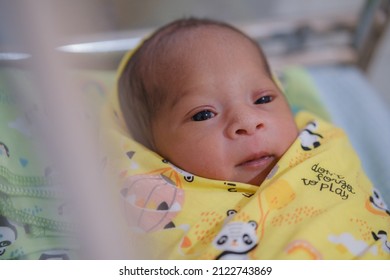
(180, 55)
(184, 47)
(202, 36)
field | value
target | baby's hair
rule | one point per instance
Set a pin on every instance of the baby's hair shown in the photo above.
(140, 96)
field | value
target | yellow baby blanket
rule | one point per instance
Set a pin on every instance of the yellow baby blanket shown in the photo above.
(316, 203)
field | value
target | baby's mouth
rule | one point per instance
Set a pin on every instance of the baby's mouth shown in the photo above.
(257, 160)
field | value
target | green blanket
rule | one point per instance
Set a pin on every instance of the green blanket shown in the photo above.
(33, 219)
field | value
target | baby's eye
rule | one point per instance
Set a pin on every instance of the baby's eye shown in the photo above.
(264, 99)
(203, 115)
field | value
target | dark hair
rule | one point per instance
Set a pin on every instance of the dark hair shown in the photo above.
(139, 94)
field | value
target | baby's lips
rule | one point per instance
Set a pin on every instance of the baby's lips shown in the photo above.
(256, 158)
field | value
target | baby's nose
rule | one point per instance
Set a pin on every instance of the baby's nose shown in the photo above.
(246, 121)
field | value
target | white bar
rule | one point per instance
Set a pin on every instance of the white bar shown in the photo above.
(102, 46)
(13, 56)
(261, 269)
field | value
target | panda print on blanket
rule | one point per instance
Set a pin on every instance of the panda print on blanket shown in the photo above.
(8, 234)
(236, 239)
(309, 138)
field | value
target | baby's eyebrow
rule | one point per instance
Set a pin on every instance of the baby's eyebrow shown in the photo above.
(177, 97)
(174, 101)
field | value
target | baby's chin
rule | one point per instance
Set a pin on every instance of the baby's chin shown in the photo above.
(256, 181)
(260, 178)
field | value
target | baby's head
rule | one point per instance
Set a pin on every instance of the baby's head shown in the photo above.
(201, 94)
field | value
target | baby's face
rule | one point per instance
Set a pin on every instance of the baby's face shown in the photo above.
(224, 117)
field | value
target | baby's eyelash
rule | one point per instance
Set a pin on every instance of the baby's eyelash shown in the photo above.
(264, 99)
(203, 116)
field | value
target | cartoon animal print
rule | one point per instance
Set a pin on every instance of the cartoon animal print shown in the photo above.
(382, 236)
(346, 242)
(171, 172)
(8, 234)
(198, 237)
(236, 239)
(187, 176)
(4, 149)
(309, 139)
(376, 204)
(150, 202)
(304, 247)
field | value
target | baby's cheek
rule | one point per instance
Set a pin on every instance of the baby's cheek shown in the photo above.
(207, 163)
(289, 135)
